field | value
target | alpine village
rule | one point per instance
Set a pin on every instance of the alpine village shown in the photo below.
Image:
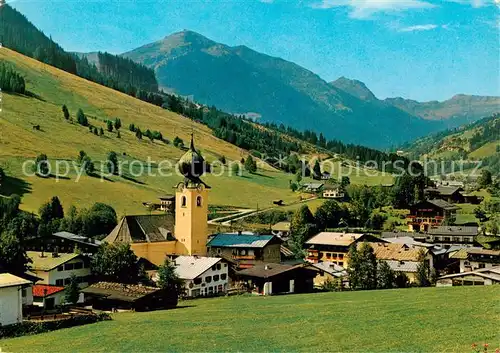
(265, 235)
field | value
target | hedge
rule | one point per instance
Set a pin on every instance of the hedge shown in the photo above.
(32, 327)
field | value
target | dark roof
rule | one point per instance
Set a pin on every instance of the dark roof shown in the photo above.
(268, 270)
(144, 228)
(78, 238)
(120, 291)
(398, 234)
(445, 190)
(229, 240)
(443, 204)
(167, 197)
(454, 230)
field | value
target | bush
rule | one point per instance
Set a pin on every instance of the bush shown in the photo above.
(32, 328)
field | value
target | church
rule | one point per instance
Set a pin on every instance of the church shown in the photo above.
(183, 232)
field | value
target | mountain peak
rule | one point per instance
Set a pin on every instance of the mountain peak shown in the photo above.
(188, 36)
(354, 87)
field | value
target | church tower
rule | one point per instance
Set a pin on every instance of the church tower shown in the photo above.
(191, 206)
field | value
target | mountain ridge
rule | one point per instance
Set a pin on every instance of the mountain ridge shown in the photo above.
(239, 79)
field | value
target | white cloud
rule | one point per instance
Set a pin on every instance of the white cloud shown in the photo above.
(476, 3)
(365, 8)
(419, 28)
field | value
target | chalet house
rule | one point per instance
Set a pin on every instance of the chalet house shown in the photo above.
(63, 242)
(246, 250)
(312, 187)
(429, 213)
(483, 276)
(202, 276)
(167, 203)
(274, 278)
(57, 268)
(47, 296)
(329, 271)
(474, 258)
(402, 257)
(13, 290)
(111, 295)
(451, 194)
(333, 247)
(453, 235)
(333, 193)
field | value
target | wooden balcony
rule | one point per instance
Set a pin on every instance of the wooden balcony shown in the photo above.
(243, 257)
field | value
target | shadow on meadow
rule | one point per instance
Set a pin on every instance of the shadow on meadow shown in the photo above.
(14, 186)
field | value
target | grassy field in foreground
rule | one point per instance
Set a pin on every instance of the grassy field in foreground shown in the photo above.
(407, 320)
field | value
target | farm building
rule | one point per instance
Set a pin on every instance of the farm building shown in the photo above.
(63, 242)
(13, 290)
(274, 278)
(111, 295)
(483, 276)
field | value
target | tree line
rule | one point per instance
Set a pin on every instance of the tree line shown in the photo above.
(112, 71)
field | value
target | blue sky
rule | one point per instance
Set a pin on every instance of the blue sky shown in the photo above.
(417, 49)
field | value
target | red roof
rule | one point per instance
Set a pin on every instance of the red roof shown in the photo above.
(44, 290)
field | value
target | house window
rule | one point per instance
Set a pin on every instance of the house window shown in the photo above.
(183, 201)
(328, 255)
(60, 268)
(59, 282)
(219, 266)
(216, 278)
(208, 279)
(223, 276)
(482, 265)
(219, 288)
(68, 267)
(78, 265)
(341, 256)
(213, 268)
(210, 290)
(198, 201)
(219, 251)
(225, 265)
(341, 263)
(24, 292)
(67, 281)
(197, 280)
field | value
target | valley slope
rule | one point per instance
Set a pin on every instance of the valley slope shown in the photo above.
(50, 88)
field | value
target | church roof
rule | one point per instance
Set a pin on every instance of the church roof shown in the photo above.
(143, 228)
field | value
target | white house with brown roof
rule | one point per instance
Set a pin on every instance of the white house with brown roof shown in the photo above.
(472, 259)
(56, 268)
(12, 289)
(202, 276)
